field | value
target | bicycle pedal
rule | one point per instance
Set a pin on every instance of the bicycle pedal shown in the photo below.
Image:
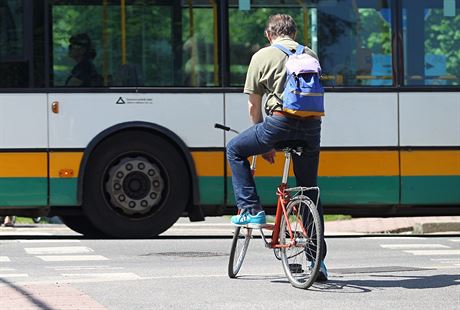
(295, 268)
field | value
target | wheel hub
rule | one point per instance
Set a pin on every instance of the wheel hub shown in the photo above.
(135, 185)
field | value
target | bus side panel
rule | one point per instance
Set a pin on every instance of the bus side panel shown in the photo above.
(430, 141)
(83, 116)
(359, 161)
(23, 150)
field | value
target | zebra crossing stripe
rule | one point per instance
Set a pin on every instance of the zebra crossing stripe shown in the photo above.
(413, 246)
(4, 259)
(49, 241)
(105, 276)
(13, 275)
(7, 269)
(69, 258)
(433, 252)
(58, 250)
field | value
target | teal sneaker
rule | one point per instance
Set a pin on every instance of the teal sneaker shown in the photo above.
(245, 218)
(322, 274)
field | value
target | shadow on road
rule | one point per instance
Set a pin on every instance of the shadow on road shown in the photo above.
(388, 281)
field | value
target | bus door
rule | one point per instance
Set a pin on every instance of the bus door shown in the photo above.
(23, 115)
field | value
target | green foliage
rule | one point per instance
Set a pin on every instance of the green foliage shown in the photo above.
(375, 32)
(151, 45)
(442, 37)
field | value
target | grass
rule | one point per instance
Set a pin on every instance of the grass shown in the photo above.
(336, 217)
(28, 220)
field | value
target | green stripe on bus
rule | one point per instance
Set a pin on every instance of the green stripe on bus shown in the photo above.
(429, 190)
(63, 192)
(211, 190)
(336, 190)
(23, 192)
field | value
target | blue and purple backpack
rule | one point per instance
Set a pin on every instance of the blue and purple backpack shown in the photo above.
(303, 93)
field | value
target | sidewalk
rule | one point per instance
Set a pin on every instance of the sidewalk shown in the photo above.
(219, 226)
(415, 225)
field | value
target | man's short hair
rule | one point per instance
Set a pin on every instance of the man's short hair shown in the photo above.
(281, 25)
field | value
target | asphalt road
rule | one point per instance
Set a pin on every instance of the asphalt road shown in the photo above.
(58, 270)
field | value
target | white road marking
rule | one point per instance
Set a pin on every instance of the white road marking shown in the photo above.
(433, 252)
(4, 259)
(107, 276)
(393, 238)
(454, 240)
(59, 250)
(13, 275)
(50, 241)
(68, 268)
(68, 258)
(7, 269)
(413, 246)
(24, 233)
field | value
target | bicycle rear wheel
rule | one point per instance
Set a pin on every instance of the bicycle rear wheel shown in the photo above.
(302, 234)
(240, 243)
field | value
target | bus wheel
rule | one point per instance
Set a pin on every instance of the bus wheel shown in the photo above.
(136, 185)
(80, 224)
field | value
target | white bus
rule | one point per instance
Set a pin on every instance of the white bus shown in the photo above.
(107, 107)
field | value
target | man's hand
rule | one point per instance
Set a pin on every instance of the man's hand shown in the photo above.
(270, 156)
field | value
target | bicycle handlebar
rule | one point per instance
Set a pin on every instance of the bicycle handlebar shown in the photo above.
(220, 126)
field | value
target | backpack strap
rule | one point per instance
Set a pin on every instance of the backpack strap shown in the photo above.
(283, 49)
(300, 49)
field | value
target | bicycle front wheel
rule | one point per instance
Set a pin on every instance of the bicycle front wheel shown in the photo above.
(301, 236)
(240, 243)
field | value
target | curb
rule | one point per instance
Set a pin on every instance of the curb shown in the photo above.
(429, 228)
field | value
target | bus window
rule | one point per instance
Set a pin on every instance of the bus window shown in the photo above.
(139, 43)
(431, 42)
(13, 67)
(351, 37)
(246, 31)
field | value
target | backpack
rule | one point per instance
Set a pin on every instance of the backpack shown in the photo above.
(303, 93)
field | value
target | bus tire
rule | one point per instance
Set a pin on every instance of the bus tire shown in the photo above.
(136, 185)
(81, 225)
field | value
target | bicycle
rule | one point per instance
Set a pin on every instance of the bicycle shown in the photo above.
(297, 234)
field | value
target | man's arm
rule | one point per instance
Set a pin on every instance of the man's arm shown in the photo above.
(255, 108)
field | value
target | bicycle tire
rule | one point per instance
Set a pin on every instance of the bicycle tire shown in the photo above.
(240, 243)
(301, 262)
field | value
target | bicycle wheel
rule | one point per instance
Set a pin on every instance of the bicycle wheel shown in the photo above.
(240, 243)
(301, 259)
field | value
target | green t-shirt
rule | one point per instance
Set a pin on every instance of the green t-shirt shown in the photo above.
(267, 72)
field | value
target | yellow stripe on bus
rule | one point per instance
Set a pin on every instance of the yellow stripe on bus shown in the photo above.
(425, 163)
(65, 161)
(340, 163)
(209, 163)
(332, 163)
(17, 165)
(359, 163)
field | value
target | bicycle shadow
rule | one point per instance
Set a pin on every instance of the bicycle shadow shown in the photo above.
(335, 285)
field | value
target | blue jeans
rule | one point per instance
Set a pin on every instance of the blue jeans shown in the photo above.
(260, 139)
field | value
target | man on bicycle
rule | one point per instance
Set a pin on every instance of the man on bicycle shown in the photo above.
(267, 76)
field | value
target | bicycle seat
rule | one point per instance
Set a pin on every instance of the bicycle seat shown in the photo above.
(291, 145)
